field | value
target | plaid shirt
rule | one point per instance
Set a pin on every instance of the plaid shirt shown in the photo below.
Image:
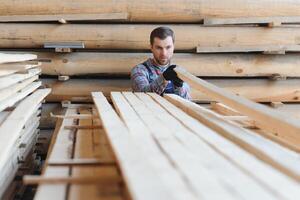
(152, 80)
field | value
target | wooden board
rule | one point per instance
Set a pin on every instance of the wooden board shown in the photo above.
(268, 119)
(64, 18)
(8, 58)
(11, 100)
(169, 10)
(125, 149)
(12, 79)
(136, 36)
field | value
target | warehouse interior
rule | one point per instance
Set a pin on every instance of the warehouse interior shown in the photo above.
(73, 127)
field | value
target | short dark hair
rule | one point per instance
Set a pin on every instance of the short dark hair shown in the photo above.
(161, 33)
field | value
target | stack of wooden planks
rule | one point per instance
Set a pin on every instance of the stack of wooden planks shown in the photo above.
(20, 103)
(236, 45)
(145, 146)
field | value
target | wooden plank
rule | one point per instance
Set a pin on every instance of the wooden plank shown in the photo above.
(258, 90)
(140, 133)
(210, 158)
(60, 146)
(127, 152)
(11, 128)
(136, 36)
(15, 78)
(34, 180)
(10, 101)
(257, 170)
(7, 92)
(84, 149)
(11, 68)
(268, 49)
(251, 20)
(8, 58)
(268, 119)
(277, 156)
(188, 165)
(180, 11)
(67, 17)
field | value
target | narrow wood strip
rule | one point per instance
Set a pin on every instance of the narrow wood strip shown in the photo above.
(35, 180)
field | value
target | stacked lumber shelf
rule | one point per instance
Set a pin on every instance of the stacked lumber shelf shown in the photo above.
(20, 102)
(87, 46)
(213, 40)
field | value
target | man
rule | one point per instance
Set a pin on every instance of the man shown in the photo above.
(157, 74)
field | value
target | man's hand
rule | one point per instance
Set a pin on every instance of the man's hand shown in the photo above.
(170, 75)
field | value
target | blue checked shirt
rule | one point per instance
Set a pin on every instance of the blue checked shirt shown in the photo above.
(146, 77)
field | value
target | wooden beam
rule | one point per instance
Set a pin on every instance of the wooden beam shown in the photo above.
(80, 162)
(259, 90)
(267, 49)
(63, 18)
(252, 20)
(35, 180)
(266, 118)
(109, 64)
(136, 36)
(180, 11)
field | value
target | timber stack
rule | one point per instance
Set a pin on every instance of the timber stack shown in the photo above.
(250, 49)
(20, 104)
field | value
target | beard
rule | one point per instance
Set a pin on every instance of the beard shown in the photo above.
(162, 61)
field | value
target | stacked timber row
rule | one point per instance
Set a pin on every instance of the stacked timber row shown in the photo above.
(145, 146)
(20, 103)
(214, 40)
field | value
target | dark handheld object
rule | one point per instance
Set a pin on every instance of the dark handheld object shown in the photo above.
(170, 75)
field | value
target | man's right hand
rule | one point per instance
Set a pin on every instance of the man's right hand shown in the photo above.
(170, 75)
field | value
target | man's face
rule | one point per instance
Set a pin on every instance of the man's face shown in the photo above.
(162, 50)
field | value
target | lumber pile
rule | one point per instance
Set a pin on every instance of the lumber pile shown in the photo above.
(218, 40)
(144, 146)
(20, 102)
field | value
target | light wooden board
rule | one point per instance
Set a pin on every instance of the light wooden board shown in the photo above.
(163, 167)
(8, 58)
(267, 118)
(11, 100)
(60, 147)
(9, 80)
(7, 92)
(126, 152)
(260, 171)
(169, 10)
